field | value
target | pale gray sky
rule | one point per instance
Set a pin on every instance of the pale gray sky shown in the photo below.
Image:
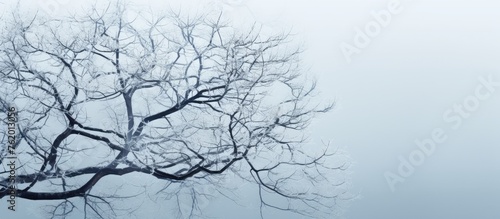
(430, 56)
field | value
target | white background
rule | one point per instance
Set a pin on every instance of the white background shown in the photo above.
(429, 57)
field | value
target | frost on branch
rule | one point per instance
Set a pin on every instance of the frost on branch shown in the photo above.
(171, 99)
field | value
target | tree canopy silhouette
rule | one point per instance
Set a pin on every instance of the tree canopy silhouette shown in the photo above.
(168, 98)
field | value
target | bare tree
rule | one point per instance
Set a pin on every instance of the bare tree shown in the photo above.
(180, 100)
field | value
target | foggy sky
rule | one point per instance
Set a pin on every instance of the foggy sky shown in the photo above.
(430, 57)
